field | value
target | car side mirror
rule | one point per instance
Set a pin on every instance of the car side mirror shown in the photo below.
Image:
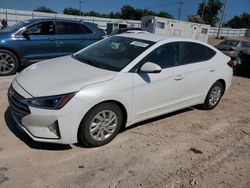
(26, 34)
(150, 67)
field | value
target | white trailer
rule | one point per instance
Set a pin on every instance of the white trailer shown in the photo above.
(166, 26)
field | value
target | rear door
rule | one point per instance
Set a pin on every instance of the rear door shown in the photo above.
(72, 37)
(200, 70)
(40, 43)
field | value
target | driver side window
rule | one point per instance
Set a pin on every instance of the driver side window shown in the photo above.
(167, 55)
(43, 28)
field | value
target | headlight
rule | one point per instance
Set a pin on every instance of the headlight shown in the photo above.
(51, 102)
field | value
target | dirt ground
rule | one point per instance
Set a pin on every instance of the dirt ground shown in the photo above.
(189, 148)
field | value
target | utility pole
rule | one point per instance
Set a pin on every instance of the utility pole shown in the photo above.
(180, 7)
(203, 9)
(222, 18)
(80, 8)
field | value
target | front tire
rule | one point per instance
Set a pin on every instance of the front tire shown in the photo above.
(8, 63)
(101, 124)
(214, 96)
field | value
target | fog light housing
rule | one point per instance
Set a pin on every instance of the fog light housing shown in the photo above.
(54, 128)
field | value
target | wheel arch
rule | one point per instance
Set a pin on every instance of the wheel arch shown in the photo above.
(14, 52)
(121, 106)
(222, 81)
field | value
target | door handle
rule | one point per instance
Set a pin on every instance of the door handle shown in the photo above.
(212, 70)
(179, 77)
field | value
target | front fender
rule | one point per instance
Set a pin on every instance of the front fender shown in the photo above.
(119, 89)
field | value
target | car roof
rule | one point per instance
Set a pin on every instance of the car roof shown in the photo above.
(54, 19)
(151, 36)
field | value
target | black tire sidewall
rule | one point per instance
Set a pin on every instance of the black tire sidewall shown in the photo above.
(16, 65)
(84, 135)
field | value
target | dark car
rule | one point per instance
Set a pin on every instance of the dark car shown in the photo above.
(37, 39)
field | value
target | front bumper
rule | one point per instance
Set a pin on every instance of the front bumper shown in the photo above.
(42, 125)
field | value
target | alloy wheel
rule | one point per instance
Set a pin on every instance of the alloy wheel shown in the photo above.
(215, 95)
(7, 63)
(103, 125)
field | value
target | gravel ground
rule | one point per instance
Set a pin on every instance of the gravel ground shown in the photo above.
(189, 148)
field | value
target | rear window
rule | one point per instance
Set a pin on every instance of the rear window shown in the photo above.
(245, 44)
(194, 52)
(230, 42)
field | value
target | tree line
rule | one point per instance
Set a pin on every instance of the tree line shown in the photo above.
(208, 11)
(127, 12)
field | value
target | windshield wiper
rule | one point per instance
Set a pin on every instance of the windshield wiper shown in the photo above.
(87, 61)
(84, 60)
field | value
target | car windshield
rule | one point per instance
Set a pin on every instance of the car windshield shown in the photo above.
(230, 42)
(113, 53)
(15, 27)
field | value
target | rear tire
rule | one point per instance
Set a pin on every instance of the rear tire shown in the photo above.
(100, 125)
(8, 63)
(214, 96)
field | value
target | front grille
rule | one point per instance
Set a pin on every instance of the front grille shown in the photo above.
(17, 106)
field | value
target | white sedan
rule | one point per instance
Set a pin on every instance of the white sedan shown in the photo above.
(89, 96)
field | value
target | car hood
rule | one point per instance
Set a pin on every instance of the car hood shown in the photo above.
(59, 76)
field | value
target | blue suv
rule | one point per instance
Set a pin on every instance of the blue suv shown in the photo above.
(37, 39)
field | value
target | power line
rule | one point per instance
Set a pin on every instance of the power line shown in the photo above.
(180, 7)
(80, 8)
(222, 18)
(203, 8)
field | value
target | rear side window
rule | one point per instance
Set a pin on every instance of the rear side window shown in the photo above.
(68, 28)
(194, 52)
(245, 44)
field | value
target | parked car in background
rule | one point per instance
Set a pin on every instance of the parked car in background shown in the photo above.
(37, 39)
(238, 50)
(123, 30)
(115, 83)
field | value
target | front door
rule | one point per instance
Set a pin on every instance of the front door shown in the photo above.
(159, 93)
(40, 42)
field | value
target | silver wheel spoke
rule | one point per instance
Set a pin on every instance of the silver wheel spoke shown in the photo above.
(104, 115)
(94, 127)
(99, 117)
(109, 130)
(102, 135)
(110, 121)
